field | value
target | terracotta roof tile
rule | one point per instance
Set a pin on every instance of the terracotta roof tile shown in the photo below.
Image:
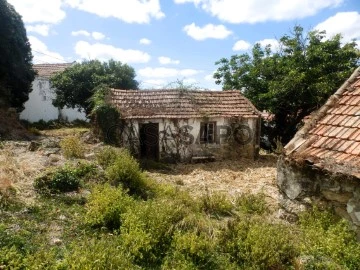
(47, 70)
(146, 104)
(336, 134)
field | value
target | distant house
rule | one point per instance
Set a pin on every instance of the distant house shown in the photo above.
(39, 105)
(186, 125)
(323, 159)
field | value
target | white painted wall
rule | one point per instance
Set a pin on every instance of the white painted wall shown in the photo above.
(39, 105)
(221, 147)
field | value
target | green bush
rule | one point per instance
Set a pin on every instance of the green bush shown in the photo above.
(191, 250)
(329, 240)
(255, 244)
(148, 228)
(72, 147)
(125, 170)
(252, 204)
(105, 206)
(97, 254)
(62, 180)
(216, 204)
(11, 258)
(107, 155)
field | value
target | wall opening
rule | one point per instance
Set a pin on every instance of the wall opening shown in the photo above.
(149, 141)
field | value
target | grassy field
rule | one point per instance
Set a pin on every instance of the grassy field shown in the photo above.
(73, 205)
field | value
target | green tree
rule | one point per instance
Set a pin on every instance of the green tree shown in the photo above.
(292, 81)
(76, 85)
(16, 72)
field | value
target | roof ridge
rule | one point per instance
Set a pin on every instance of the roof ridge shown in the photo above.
(332, 100)
(177, 90)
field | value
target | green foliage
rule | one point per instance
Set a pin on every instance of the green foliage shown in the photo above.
(105, 206)
(72, 147)
(55, 124)
(76, 85)
(107, 156)
(252, 204)
(255, 244)
(125, 170)
(97, 254)
(329, 240)
(148, 228)
(16, 72)
(62, 180)
(292, 81)
(216, 204)
(105, 116)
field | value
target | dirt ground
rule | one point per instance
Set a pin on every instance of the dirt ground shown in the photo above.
(19, 166)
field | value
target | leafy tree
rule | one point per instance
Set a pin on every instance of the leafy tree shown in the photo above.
(292, 81)
(76, 84)
(16, 72)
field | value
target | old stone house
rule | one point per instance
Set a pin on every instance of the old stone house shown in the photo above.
(322, 161)
(187, 125)
(39, 105)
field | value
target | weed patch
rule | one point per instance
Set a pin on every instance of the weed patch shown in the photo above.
(62, 180)
(72, 147)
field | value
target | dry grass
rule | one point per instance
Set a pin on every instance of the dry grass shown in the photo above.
(63, 132)
(232, 178)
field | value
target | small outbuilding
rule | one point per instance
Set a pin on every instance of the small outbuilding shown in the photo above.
(322, 161)
(184, 125)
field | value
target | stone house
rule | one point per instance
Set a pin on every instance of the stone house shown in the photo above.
(322, 161)
(172, 125)
(39, 105)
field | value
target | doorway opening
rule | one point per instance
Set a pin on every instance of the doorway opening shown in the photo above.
(149, 141)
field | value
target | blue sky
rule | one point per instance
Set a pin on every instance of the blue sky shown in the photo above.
(173, 39)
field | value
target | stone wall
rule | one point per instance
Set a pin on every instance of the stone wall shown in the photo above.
(303, 185)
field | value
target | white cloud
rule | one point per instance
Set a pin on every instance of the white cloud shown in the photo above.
(345, 23)
(210, 77)
(269, 41)
(130, 11)
(241, 45)
(45, 11)
(105, 52)
(42, 54)
(166, 72)
(98, 35)
(41, 29)
(94, 35)
(253, 11)
(208, 31)
(80, 33)
(167, 60)
(145, 41)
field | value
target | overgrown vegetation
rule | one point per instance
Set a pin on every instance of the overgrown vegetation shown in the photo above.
(105, 116)
(290, 80)
(72, 147)
(129, 221)
(55, 124)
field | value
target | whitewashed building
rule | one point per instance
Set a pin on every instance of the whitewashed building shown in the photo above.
(171, 125)
(39, 105)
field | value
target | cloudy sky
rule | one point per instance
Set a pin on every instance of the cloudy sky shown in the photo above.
(166, 40)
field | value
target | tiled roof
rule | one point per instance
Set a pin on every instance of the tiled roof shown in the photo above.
(47, 70)
(142, 104)
(331, 138)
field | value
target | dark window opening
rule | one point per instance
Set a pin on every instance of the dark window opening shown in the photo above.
(207, 132)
